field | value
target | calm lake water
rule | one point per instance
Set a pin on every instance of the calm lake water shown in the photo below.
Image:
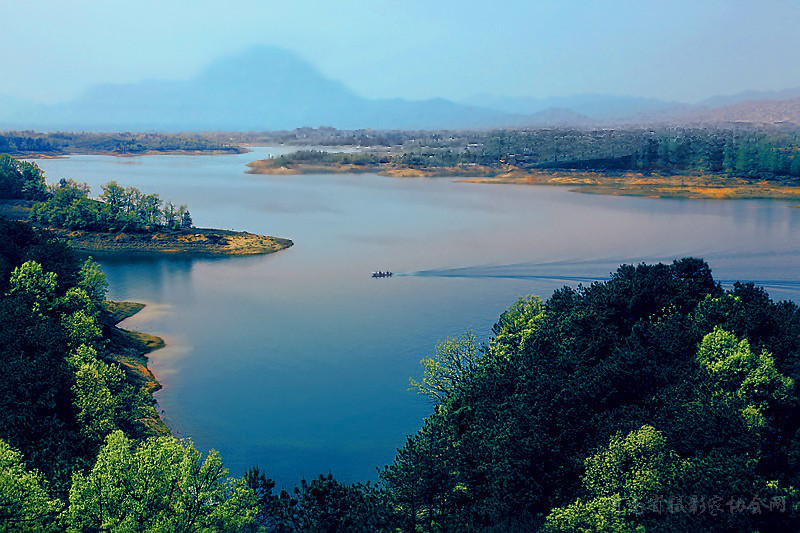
(299, 361)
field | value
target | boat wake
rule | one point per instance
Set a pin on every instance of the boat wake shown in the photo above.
(589, 271)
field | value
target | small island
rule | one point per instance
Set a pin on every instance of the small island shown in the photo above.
(122, 219)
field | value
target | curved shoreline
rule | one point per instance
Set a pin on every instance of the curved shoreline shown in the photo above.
(130, 349)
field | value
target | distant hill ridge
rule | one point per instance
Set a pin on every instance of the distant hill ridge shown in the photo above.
(268, 88)
(757, 112)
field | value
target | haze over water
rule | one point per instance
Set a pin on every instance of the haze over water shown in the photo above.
(299, 361)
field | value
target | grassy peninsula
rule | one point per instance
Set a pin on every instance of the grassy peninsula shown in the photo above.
(200, 241)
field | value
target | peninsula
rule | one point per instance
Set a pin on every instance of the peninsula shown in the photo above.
(699, 163)
(196, 241)
(122, 219)
(690, 186)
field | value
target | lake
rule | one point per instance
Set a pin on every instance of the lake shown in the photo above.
(299, 361)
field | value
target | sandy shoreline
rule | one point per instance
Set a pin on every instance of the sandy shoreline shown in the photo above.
(688, 186)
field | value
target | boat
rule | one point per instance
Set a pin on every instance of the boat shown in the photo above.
(380, 274)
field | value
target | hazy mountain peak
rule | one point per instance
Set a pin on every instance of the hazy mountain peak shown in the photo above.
(730, 99)
(259, 62)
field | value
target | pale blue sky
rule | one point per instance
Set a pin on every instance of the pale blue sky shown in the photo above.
(678, 50)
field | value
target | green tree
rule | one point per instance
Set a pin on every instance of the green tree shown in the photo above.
(25, 505)
(516, 325)
(113, 196)
(161, 485)
(170, 216)
(30, 280)
(794, 168)
(734, 371)
(150, 210)
(81, 328)
(20, 179)
(101, 395)
(455, 361)
(325, 504)
(185, 217)
(93, 281)
(621, 482)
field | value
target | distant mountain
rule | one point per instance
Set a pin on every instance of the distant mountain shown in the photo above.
(560, 117)
(752, 107)
(730, 99)
(267, 88)
(264, 88)
(593, 106)
(756, 112)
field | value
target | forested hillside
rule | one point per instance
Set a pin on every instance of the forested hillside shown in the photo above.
(655, 400)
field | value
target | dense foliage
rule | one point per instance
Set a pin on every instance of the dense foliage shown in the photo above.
(166, 486)
(324, 504)
(341, 158)
(118, 209)
(61, 394)
(655, 400)
(74, 453)
(21, 180)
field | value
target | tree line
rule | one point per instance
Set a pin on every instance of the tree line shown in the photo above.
(68, 204)
(20, 180)
(27, 142)
(752, 154)
(117, 209)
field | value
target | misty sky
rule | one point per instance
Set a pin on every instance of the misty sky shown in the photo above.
(675, 50)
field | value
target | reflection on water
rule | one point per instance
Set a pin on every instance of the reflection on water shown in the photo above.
(299, 361)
